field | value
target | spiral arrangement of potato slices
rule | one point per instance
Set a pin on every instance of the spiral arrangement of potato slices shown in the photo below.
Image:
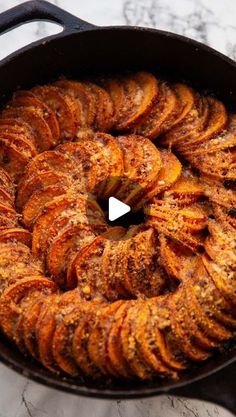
(87, 299)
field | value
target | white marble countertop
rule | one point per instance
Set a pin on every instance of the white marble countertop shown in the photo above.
(210, 21)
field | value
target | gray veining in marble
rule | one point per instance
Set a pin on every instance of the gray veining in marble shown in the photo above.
(210, 21)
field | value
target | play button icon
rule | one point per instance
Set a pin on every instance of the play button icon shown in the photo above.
(116, 208)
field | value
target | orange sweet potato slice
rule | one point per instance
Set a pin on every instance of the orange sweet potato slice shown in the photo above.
(16, 234)
(19, 127)
(178, 261)
(69, 241)
(148, 342)
(140, 92)
(23, 145)
(6, 182)
(81, 338)
(6, 198)
(186, 189)
(161, 115)
(185, 95)
(104, 108)
(41, 130)
(114, 349)
(193, 122)
(12, 298)
(38, 200)
(216, 122)
(27, 99)
(129, 345)
(64, 107)
(29, 320)
(217, 193)
(12, 160)
(182, 331)
(168, 175)
(82, 94)
(37, 182)
(142, 164)
(98, 338)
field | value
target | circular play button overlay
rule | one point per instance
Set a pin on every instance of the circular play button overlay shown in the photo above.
(118, 198)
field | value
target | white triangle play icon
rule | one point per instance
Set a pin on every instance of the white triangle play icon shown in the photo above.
(116, 208)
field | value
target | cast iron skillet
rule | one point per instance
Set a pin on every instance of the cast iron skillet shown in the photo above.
(82, 48)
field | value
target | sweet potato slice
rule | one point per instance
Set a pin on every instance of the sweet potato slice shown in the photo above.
(178, 261)
(193, 122)
(148, 341)
(186, 98)
(182, 330)
(6, 198)
(81, 338)
(168, 175)
(217, 193)
(129, 345)
(27, 99)
(216, 123)
(23, 145)
(114, 349)
(38, 200)
(97, 341)
(219, 165)
(12, 160)
(51, 160)
(69, 241)
(187, 189)
(15, 295)
(82, 94)
(64, 107)
(161, 115)
(19, 127)
(16, 234)
(38, 182)
(164, 338)
(140, 93)
(104, 108)
(142, 164)
(41, 130)
(29, 320)
(6, 182)
(113, 154)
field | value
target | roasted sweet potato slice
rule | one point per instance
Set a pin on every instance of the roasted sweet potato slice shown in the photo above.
(64, 206)
(43, 135)
(38, 182)
(17, 126)
(148, 341)
(23, 145)
(219, 165)
(82, 94)
(178, 261)
(143, 271)
(140, 92)
(29, 319)
(181, 329)
(142, 164)
(37, 201)
(97, 342)
(165, 342)
(193, 122)
(161, 116)
(130, 351)
(6, 181)
(64, 106)
(186, 98)
(12, 160)
(217, 193)
(217, 121)
(6, 198)
(51, 160)
(104, 108)
(17, 293)
(186, 190)
(69, 241)
(114, 349)
(80, 340)
(16, 234)
(27, 99)
(168, 175)
(114, 156)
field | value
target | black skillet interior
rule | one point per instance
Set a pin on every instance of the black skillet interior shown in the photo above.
(82, 49)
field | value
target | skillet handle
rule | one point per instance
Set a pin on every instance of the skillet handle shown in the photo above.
(218, 388)
(41, 10)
